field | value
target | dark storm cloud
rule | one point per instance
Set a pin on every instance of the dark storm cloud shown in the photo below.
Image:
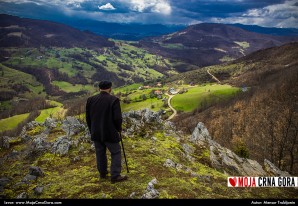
(277, 13)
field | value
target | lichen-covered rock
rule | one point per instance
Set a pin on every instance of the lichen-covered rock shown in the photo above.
(50, 123)
(25, 138)
(273, 170)
(150, 116)
(179, 167)
(76, 159)
(39, 143)
(169, 163)
(23, 195)
(224, 159)
(4, 142)
(169, 125)
(3, 181)
(29, 178)
(151, 192)
(188, 150)
(200, 134)
(32, 124)
(38, 190)
(36, 171)
(142, 121)
(61, 146)
(132, 195)
(72, 125)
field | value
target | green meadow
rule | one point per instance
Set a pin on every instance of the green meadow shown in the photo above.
(12, 122)
(126, 88)
(50, 112)
(199, 95)
(153, 104)
(68, 87)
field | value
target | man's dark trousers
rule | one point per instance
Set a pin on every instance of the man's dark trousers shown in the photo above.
(101, 157)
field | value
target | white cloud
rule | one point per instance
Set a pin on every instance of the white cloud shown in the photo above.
(285, 10)
(283, 15)
(21, 1)
(155, 6)
(107, 6)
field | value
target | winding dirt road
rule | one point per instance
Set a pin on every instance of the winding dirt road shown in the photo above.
(213, 77)
(172, 108)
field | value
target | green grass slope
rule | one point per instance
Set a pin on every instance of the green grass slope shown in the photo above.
(74, 175)
(12, 122)
(197, 96)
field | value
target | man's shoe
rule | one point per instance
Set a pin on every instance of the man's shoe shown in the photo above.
(119, 178)
(103, 175)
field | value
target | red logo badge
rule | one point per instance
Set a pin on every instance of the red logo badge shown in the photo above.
(233, 181)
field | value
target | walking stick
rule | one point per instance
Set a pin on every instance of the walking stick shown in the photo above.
(124, 152)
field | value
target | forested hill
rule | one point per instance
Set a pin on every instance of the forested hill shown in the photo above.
(209, 44)
(23, 32)
(263, 119)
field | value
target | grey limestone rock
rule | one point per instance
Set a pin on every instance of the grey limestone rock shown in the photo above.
(36, 171)
(61, 146)
(224, 159)
(151, 192)
(23, 195)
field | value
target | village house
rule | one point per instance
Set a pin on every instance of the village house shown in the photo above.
(172, 91)
(158, 92)
(159, 84)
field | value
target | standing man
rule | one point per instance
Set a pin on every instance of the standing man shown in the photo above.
(104, 120)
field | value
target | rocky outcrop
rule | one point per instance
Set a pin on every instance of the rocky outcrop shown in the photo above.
(23, 195)
(4, 142)
(227, 161)
(33, 124)
(38, 190)
(137, 122)
(34, 173)
(151, 192)
(50, 123)
(61, 146)
(40, 144)
(273, 170)
(72, 126)
(3, 182)
(145, 116)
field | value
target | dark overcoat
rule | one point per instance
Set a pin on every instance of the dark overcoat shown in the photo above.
(103, 117)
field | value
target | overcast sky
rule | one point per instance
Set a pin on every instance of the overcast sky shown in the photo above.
(267, 13)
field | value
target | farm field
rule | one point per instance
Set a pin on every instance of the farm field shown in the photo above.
(199, 95)
(51, 112)
(194, 97)
(12, 122)
(68, 87)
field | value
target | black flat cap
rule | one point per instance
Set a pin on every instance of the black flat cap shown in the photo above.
(105, 85)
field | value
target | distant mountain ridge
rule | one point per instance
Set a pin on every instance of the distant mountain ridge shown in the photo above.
(268, 30)
(259, 114)
(209, 44)
(122, 31)
(23, 32)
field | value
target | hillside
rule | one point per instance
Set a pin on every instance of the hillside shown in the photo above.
(56, 159)
(262, 120)
(42, 59)
(123, 31)
(210, 44)
(23, 32)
